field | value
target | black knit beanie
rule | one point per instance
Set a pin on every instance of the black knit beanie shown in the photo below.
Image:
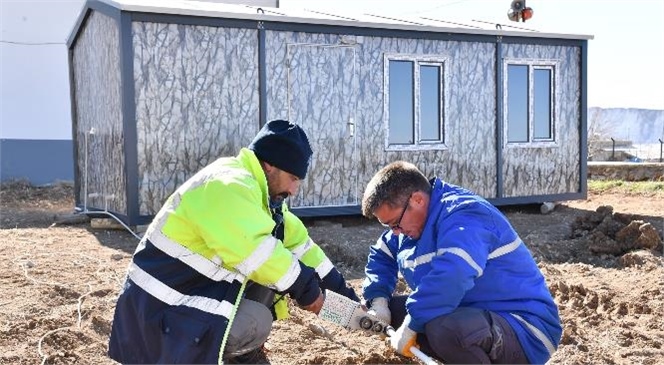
(284, 145)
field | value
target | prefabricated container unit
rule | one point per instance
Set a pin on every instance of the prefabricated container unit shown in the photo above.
(158, 92)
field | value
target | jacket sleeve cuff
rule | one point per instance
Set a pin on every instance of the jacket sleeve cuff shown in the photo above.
(335, 281)
(376, 292)
(305, 290)
(415, 325)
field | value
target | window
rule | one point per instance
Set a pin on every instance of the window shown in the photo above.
(414, 103)
(530, 103)
(401, 104)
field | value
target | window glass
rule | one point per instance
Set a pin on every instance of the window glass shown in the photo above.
(542, 104)
(517, 103)
(401, 118)
(430, 97)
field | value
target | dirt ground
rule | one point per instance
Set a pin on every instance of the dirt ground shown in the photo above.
(59, 282)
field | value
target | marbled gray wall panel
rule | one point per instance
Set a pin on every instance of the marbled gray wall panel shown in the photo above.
(196, 100)
(323, 87)
(470, 126)
(320, 85)
(470, 159)
(97, 93)
(549, 169)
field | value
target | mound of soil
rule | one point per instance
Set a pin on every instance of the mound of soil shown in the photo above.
(606, 232)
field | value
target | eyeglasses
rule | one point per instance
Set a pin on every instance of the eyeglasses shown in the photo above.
(397, 224)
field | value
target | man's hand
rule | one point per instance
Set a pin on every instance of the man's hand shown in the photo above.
(381, 310)
(404, 338)
(316, 305)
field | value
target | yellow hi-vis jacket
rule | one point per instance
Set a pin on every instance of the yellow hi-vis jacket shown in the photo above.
(210, 238)
(224, 214)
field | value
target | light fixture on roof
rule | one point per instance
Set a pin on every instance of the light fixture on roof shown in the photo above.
(519, 12)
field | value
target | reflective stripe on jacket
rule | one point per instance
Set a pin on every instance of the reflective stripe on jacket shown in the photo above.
(468, 255)
(213, 235)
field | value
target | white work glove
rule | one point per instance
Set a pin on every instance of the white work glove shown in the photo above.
(381, 310)
(404, 338)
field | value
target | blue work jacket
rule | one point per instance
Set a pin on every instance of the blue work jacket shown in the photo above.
(468, 255)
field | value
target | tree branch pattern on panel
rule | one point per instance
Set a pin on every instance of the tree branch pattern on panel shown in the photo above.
(316, 76)
(196, 101)
(470, 112)
(539, 171)
(97, 92)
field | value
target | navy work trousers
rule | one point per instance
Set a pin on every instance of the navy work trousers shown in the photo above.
(465, 336)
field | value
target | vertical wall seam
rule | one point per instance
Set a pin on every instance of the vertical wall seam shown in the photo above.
(129, 116)
(74, 125)
(499, 117)
(262, 77)
(583, 123)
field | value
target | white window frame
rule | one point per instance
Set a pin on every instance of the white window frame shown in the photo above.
(418, 60)
(554, 67)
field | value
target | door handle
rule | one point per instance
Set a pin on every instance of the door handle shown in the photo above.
(350, 128)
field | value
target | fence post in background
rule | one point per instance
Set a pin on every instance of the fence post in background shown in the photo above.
(613, 149)
(661, 144)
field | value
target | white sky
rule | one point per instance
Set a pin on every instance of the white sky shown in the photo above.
(625, 59)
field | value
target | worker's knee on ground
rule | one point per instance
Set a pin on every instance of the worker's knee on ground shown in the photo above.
(250, 328)
(459, 331)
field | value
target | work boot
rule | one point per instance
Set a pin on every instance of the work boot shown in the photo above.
(256, 356)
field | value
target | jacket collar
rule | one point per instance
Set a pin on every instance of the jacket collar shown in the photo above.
(249, 160)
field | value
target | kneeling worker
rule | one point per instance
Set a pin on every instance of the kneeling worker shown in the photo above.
(201, 285)
(477, 294)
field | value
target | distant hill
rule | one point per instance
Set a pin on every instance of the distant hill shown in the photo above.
(641, 126)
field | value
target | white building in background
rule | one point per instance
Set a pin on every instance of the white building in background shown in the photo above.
(35, 105)
(35, 119)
